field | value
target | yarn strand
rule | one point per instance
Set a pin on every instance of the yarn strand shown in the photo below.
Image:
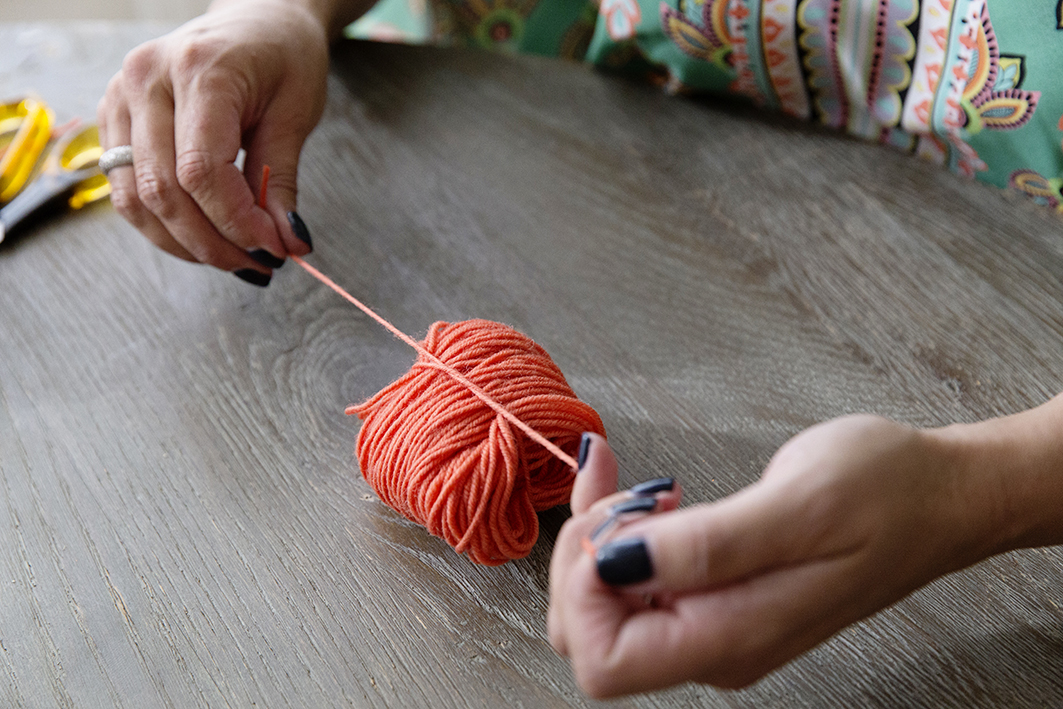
(483, 395)
(436, 362)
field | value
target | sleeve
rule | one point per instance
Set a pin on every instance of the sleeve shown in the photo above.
(969, 84)
(548, 27)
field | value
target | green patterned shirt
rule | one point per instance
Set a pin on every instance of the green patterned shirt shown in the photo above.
(969, 84)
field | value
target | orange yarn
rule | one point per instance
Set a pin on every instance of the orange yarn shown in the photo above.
(476, 438)
(442, 457)
(471, 442)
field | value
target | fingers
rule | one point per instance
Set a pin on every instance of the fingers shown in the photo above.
(729, 638)
(595, 480)
(138, 110)
(832, 489)
(836, 530)
(187, 103)
(599, 511)
(669, 596)
(758, 529)
(714, 545)
(114, 124)
(214, 202)
(729, 633)
(597, 473)
(278, 148)
(158, 114)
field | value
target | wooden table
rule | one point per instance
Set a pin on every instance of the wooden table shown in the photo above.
(181, 519)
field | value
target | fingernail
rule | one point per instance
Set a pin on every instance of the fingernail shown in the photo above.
(255, 278)
(639, 504)
(299, 229)
(266, 258)
(584, 447)
(652, 487)
(604, 526)
(624, 562)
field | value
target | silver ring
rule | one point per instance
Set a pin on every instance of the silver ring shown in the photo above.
(116, 157)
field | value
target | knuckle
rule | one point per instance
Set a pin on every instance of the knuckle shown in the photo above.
(283, 181)
(231, 222)
(114, 98)
(194, 58)
(140, 62)
(602, 672)
(126, 203)
(155, 190)
(700, 557)
(195, 171)
(228, 226)
(191, 58)
(112, 94)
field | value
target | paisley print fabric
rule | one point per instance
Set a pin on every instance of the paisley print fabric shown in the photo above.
(974, 85)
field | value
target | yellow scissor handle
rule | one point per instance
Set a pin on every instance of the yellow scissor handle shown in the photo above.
(29, 125)
(77, 151)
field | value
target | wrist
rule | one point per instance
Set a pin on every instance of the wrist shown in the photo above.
(981, 509)
(1008, 479)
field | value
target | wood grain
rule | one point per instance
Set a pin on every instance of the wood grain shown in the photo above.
(181, 519)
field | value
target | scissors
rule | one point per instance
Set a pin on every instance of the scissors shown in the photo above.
(70, 169)
(25, 129)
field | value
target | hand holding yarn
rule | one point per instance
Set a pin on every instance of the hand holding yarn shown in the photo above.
(848, 517)
(248, 74)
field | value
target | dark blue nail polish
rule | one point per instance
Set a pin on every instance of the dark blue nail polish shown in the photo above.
(624, 562)
(255, 278)
(299, 229)
(584, 447)
(266, 258)
(652, 487)
(639, 504)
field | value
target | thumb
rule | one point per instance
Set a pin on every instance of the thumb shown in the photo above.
(281, 154)
(597, 473)
(708, 546)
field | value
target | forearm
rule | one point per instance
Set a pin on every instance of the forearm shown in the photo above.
(333, 15)
(1011, 477)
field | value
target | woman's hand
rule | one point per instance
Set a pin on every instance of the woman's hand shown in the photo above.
(248, 74)
(849, 517)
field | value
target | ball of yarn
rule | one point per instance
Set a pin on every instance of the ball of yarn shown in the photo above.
(435, 452)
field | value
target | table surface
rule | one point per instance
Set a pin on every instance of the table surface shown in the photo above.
(181, 519)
